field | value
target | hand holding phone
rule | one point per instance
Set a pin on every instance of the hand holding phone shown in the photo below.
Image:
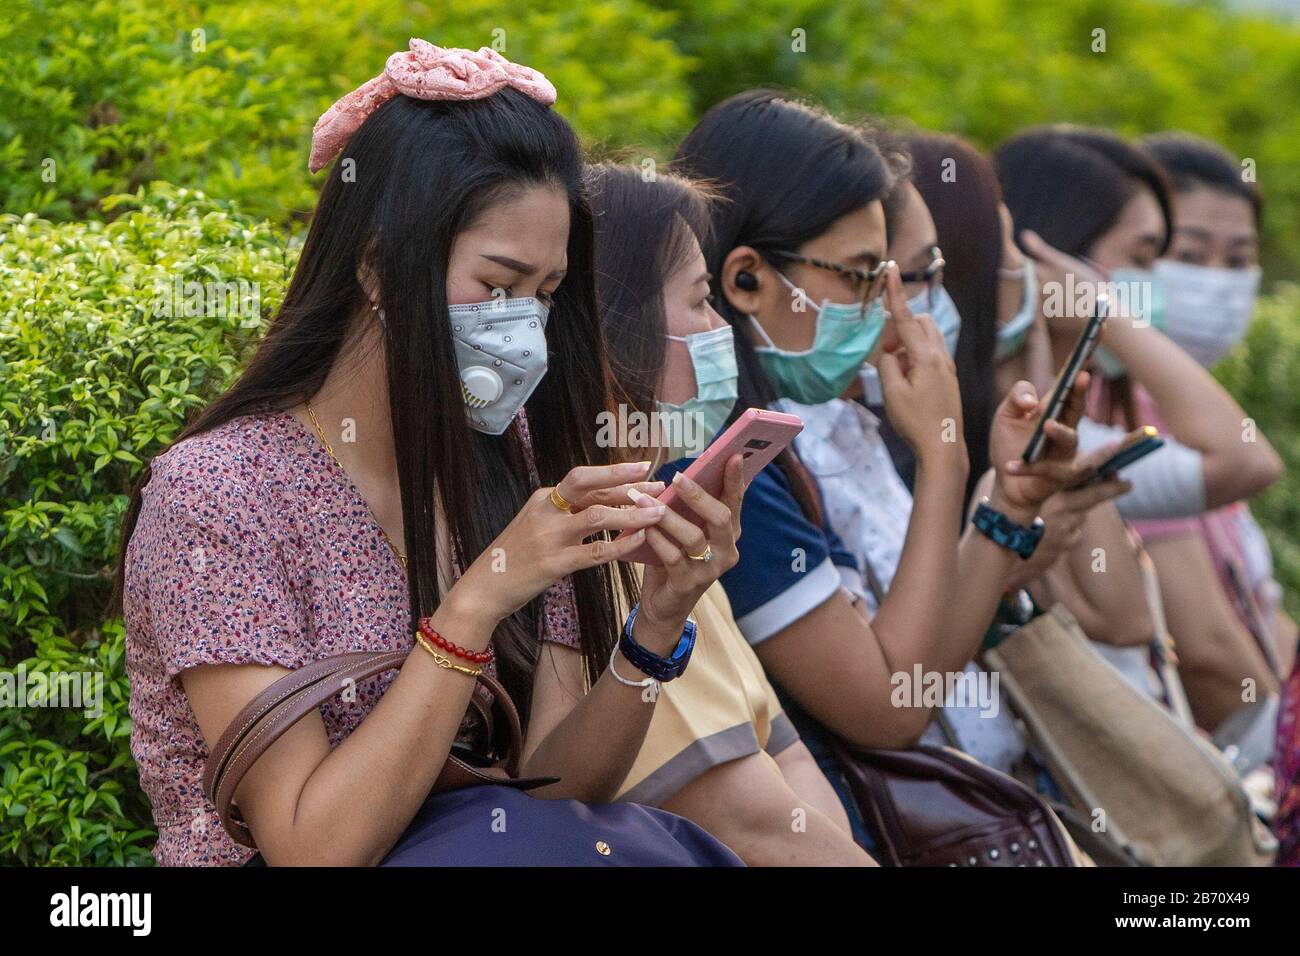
(1137, 445)
(1083, 349)
(757, 436)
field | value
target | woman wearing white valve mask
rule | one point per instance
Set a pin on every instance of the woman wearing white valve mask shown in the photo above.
(1089, 205)
(443, 318)
(720, 751)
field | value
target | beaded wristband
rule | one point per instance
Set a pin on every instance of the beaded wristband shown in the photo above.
(475, 657)
(446, 662)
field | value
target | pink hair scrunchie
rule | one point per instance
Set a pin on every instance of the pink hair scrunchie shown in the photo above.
(425, 72)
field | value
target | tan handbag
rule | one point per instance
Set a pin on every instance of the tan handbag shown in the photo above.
(1166, 793)
(292, 697)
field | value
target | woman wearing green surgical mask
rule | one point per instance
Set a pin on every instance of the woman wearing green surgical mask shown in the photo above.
(798, 259)
(927, 213)
(720, 751)
(1089, 204)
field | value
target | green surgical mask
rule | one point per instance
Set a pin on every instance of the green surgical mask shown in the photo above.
(1141, 295)
(842, 342)
(687, 428)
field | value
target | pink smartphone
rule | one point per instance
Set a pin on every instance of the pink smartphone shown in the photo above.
(758, 436)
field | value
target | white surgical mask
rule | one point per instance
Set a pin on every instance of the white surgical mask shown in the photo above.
(944, 312)
(1208, 309)
(501, 351)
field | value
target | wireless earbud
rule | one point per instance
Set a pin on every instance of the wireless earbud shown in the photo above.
(747, 281)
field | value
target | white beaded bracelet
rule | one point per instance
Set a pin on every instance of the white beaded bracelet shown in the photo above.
(648, 682)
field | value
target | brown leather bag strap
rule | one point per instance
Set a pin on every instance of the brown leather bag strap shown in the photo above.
(266, 701)
(281, 705)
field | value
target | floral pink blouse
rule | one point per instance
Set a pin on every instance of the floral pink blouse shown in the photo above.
(253, 547)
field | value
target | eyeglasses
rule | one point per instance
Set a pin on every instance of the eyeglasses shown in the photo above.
(867, 284)
(931, 276)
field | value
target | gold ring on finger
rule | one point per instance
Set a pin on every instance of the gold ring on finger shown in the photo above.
(706, 556)
(559, 500)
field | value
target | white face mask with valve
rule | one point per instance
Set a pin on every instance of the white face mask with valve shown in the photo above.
(501, 351)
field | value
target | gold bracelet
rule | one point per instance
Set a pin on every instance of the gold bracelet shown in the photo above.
(442, 660)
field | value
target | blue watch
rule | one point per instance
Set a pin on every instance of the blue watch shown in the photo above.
(1001, 530)
(662, 669)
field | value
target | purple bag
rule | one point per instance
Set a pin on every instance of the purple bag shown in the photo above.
(503, 826)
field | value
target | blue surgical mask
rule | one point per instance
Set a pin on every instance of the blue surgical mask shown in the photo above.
(501, 351)
(1013, 333)
(688, 427)
(1136, 295)
(843, 340)
(944, 312)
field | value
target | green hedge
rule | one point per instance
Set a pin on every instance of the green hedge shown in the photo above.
(108, 95)
(1263, 375)
(95, 377)
(116, 93)
(986, 68)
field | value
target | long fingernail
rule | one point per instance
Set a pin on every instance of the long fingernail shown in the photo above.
(1014, 467)
(634, 468)
(680, 479)
(641, 498)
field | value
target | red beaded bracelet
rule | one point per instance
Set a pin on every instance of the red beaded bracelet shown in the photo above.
(477, 657)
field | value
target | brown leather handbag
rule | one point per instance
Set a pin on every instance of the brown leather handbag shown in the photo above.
(936, 806)
(288, 700)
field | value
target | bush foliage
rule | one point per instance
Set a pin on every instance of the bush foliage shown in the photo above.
(103, 100)
(95, 378)
(111, 94)
(1262, 374)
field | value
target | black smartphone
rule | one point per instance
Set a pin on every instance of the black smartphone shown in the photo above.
(1083, 350)
(1136, 446)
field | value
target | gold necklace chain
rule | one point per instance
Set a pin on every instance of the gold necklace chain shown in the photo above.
(320, 433)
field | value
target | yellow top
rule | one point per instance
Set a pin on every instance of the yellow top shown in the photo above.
(721, 709)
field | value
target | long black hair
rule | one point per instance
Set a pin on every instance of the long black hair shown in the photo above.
(964, 207)
(787, 171)
(425, 171)
(1070, 184)
(645, 230)
(1193, 162)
